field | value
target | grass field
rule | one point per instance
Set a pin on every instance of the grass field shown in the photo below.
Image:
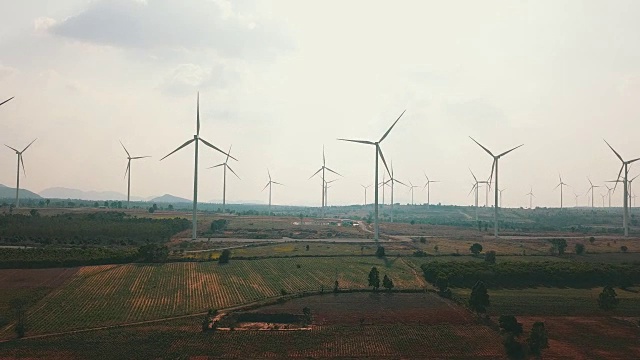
(115, 294)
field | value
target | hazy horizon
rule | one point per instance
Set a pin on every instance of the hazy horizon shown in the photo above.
(280, 80)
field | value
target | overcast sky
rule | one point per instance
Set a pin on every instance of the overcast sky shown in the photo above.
(278, 79)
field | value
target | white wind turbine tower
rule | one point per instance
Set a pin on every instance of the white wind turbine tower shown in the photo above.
(6, 101)
(326, 191)
(271, 182)
(427, 185)
(577, 196)
(127, 172)
(476, 187)
(20, 161)
(196, 139)
(411, 189)
(603, 196)
(378, 154)
(225, 166)
(392, 180)
(625, 167)
(561, 184)
(323, 185)
(629, 191)
(501, 195)
(531, 196)
(365, 193)
(608, 193)
(496, 158)
(591, 187)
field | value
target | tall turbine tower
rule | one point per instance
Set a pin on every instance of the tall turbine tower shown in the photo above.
(561, 184)
(391, 182)
(326, 191)
(577, 196)
(496, 158)
(609, 190)
(365, 193)
(271, 182)
(531, 196)
(411, 189)
(591, 187)
(6, 101)
(630, 182)
(476, 186)
(427, 185)
(196, 139)
(225, 166)
(20, 161)
(127, 172)
(378, 153)
(323, 168)
(625, 167)
(501, 196)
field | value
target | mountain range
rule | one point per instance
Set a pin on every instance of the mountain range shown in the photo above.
(66, 193)
(10, 193)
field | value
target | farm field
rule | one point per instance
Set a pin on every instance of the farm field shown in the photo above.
(424, 333)
(115, 294)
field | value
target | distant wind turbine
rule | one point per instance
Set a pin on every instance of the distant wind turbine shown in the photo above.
(391, 182)
(561, 185)
(326, 191)
(323, 168)
(577, 196)
(196, 139)
(225, 166)
(603, 196)
(427, 185)
(496, 158)
(608, 193)
(6, 101)
(630, 182)
(531, 196)
(625, 167)
(591, 189)
(501, 196)
(411, 189)
(476, 187)
(271, 182)
(127, 172)
(20, 162)
(378, 154)
(365, 193)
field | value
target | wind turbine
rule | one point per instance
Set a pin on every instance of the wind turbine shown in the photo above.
(323, 168)
(427, 185)
(629, 191)
(531, 196)
(378, 153)
(501, 196)
(591, 189)
(634, 200)
(225, 166)
(603, 196)
(392, 180)
(365, 193)
(196, 139)
(6, 101)
(561, 184)
(411, 189)
(326, 190)
(476, 187)
(127, 172)
(271, 182)
(496, 158)
(625, 167)
(20, 161)
(609, 193)
(577, 196)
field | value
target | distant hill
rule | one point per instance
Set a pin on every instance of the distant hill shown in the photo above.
(66, 193)
(10, 193)
(167, 198)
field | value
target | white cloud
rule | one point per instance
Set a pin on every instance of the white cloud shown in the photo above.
(43, 24)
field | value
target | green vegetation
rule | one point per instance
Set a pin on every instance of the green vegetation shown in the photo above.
(64, 257)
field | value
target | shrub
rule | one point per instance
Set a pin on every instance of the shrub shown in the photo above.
(380, 252)
(490, 257)
(475, 249)
(224, 256)
(607, 300)
(579, 249)
(624, 249)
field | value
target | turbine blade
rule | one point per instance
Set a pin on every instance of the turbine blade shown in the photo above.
(198, 115)
(508, 151)
(616, 185)
(215, 166)
(6, 101)
(474, 177)
(11, 148)
(125, 149)
(615, 152)
(215, 148)
(485, 149)
(22, 162)
(315, 173)
(394, 124)
(25, 149)
(383, 160)
(234, 173)
(556, 187)
(180, 147)
(266, 185)
(277, 183)
(472, 188)
(493, 165)
(228, 154)
(127, 169)
(359, 141)
(632, 161)
(400, 182)
(268, 173)
(323, 157)
(333, 171)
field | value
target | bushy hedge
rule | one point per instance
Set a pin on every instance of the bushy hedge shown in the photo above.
(52, 257)
(515, 274)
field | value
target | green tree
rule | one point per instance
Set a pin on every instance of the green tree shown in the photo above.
(170, 207)
(479, 298)
(306, 312)
(579, 249)
(96, 205)
(513, 347)
(218, 225)
(607, 300)
(380, 252)
(387, 283)
(442, 282)
(559, 245)
(490, 257)
(152, 210)
(153, 253)
(374, 278)
(510, 325)
(336, 287)
(624, 249)
(19, 307)
(47, 202)
(33, 212)
(538, 339)
(224, 256)
(475, 249)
